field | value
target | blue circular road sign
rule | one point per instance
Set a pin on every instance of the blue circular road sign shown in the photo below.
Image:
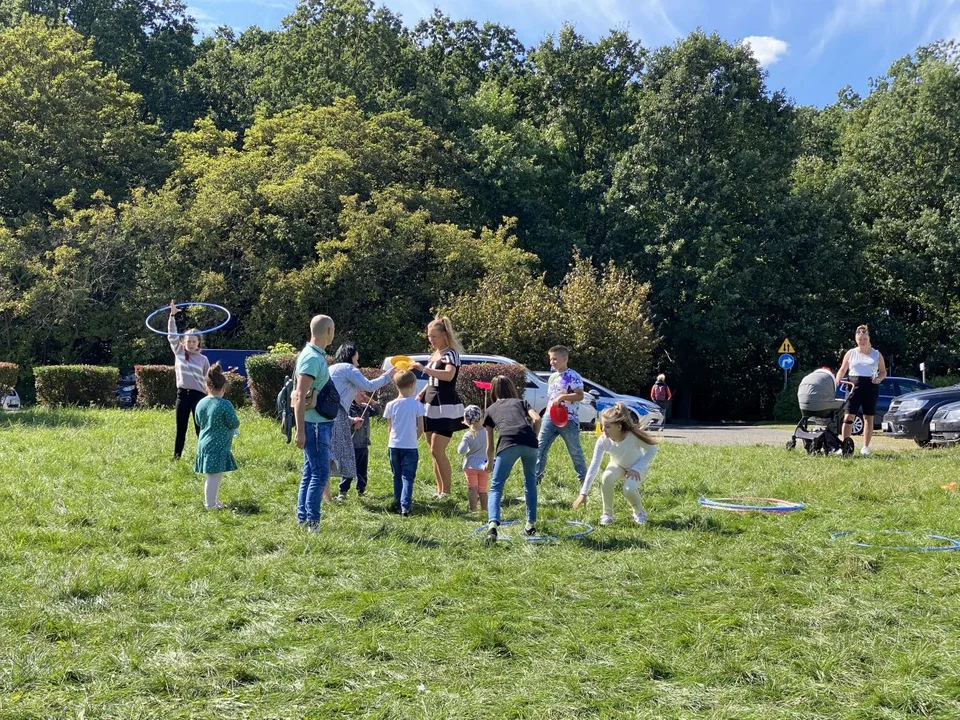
(786, 361)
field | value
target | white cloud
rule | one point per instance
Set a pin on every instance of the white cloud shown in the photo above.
(767, 50)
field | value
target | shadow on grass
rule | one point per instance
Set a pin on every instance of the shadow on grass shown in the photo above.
(699, 523)
(611, 544)
(66, 417)
(245, 506)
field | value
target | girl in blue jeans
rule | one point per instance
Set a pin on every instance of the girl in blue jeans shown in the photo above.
(515, 424)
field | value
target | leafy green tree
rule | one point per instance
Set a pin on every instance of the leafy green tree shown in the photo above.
(148, 43)
(66, 125)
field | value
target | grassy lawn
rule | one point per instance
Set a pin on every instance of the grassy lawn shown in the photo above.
(121, 597)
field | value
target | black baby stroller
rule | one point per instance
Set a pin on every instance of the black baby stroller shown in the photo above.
(821, 414)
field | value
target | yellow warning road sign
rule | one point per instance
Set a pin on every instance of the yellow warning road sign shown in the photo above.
(787, 346)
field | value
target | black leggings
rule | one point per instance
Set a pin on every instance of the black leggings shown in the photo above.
(186, 404)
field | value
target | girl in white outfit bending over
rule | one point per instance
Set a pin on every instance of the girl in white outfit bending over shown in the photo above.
(631, 449)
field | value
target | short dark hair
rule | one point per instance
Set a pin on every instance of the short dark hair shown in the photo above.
(560, 350)
(345, 353)
(502, 387)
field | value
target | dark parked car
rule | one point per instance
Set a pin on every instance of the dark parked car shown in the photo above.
(890, 388)
(945, 426)
(126, 391)
(911, 414)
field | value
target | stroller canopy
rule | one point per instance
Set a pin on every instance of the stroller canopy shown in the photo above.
(818, 393)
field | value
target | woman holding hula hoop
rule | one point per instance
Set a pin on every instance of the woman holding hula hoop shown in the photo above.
(191, 368)
(866, 369)
(444, 407)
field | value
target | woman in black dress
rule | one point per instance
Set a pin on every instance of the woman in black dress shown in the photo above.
(444, 407)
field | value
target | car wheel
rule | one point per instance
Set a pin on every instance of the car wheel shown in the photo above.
(922, 442)
(791, 443)
(857, 428)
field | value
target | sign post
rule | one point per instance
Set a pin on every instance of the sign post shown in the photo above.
(786, 361)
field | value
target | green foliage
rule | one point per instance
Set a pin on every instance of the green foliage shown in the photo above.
(943, 380)
(282, 348)
(236, 391)
(67, 127)
(156, 385)
(265, 377)
(786, 409)
(603, 315)
(8, 377)
(59, 385)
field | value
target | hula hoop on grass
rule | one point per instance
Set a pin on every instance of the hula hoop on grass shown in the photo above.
(152, 315)
(954, 544)
(483, 527)
(742, 505)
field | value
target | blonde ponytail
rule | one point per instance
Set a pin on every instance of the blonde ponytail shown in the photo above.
(621, 415)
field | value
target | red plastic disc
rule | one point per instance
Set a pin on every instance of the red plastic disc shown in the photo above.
(559, 415)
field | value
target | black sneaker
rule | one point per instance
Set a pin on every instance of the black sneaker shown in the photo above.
(405, 513)
(491, 535)
(530, 530)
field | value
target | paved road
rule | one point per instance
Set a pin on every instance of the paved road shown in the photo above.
(760, 435)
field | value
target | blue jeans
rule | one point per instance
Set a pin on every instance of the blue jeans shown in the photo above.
(403, 462)
(502, 465)
(571, 437)
(316, 471)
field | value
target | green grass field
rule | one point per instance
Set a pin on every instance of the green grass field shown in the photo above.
(120, 597)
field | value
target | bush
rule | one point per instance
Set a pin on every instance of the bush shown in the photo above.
(59, 385)
(8, 377)
(265, 374)
(943, 380)
(156, 385)
(787, 408)
(236, 391)
(485, 372)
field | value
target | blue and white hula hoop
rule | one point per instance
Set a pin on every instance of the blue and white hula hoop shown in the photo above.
(742, 505)
(222, 325)
(954, 544)
(586, 530)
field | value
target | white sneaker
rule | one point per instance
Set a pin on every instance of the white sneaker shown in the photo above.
(640, 517)
(606, 519)
(864, 450)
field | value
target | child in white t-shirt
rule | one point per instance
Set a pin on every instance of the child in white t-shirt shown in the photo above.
(631, 451)
(405, 418)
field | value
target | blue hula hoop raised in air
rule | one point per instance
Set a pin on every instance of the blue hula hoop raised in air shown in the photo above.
(543, 538)
(222, 325)
(740, 504)
(954, 544)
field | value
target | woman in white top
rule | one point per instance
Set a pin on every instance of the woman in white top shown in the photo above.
(865, 366)
(631, 450)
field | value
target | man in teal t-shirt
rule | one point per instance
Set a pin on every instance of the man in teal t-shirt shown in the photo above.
(313, 430)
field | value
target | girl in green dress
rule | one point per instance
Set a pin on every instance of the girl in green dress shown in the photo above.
(218, 422)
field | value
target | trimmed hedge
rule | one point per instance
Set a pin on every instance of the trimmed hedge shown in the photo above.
(385, 394)
(485, 372)
(8, 377)
(59, 385)
(236, 389)
(156, 385)
(265, 374)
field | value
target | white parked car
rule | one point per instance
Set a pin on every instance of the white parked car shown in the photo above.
(602, 398)
(535, 391)
(11, 401)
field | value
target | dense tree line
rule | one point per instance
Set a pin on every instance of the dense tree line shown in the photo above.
(660, 209)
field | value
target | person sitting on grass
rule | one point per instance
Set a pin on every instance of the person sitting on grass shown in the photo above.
(218, 421)
(405, 418)
(515, 422)
(474, 446)
(631, 451)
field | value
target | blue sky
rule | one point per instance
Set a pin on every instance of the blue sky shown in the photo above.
(811, 48)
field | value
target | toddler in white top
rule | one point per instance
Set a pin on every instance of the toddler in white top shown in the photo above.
(631, 450)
